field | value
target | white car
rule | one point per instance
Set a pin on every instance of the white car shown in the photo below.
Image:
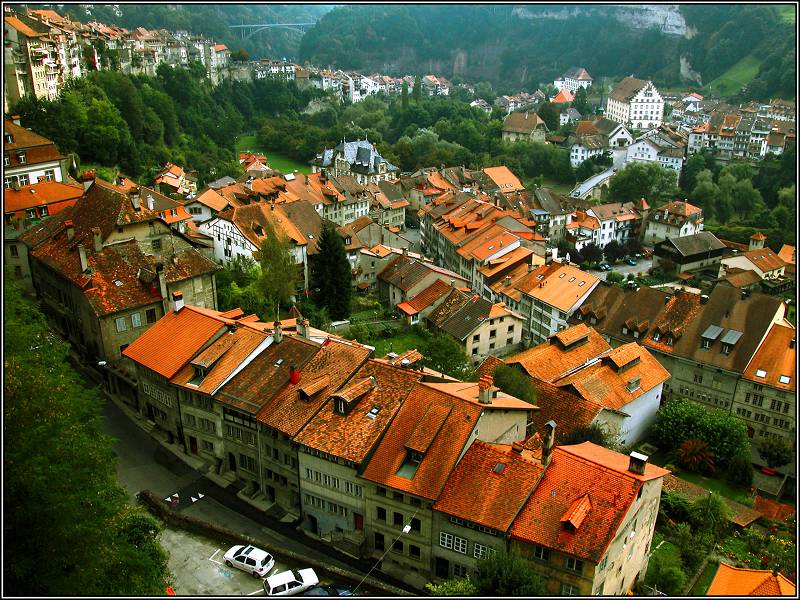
(253, 560)
(290, 583)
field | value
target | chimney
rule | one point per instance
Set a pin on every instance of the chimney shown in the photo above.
(517, 447)
(82, 254)
(162, 280)
(16, 121)
(303, 328)
(507, 280)
(277, 332)
(177, 299)
(452, 283)
(88, 179)
(547, 443)
(150, 202)
(637, 463)
(485, 389)
(134, 196)
(405, 251)
(294, 375)
(98, 239)
(70, 229)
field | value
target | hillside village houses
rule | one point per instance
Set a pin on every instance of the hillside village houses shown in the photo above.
(635, 103)
(314, 427)
(663, 145)
(574, 79)
(674, 219)
(525, 126)
(359, 159)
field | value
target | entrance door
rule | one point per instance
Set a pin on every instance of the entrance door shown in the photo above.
(231, 461)
(192, 444)
(442, 567)
(150, 412)
(359, 521)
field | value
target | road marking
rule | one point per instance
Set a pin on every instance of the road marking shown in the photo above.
(211, 558)
(258, 591)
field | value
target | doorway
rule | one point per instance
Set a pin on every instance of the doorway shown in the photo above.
(231, 461)
(359, 521)
(442, 567)
(192, 444)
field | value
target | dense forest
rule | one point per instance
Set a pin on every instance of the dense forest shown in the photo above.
(497, 45)
(208, 19)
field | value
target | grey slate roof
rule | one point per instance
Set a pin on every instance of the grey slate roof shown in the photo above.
(361, 155)
(467, 318)
(688, 245)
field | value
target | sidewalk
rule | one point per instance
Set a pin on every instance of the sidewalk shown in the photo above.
(221, 507)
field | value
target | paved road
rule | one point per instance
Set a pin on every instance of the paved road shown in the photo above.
(641, 268)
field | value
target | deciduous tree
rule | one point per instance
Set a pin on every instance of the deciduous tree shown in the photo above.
(278, 270)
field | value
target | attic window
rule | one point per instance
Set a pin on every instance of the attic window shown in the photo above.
(540, 277)
(199, 375)
(117, 283)
(784, 379)
(570, 280)
(581, 284)
(761, 373)
(634, 384)
(279, 362)
(373, 412)
(656, 336)
(499, 467)
(562, 276)
(668, 341)
(339, 406)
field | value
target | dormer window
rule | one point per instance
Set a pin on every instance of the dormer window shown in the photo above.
(21, 157)
(9, 139)
(339, 406)
(761, 373)
(634, 384)
(656, 336)
(199, 375)
(706, 343)
(726, 348)
(668, 341)
(624, 330)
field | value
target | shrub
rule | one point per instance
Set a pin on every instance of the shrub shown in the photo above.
(680, 419)
(740, 470)
(709, 514)
(776, 451)
(614, 277)
(360, 333)
(666, 573)
(675, 506)
(695, 457)
(514, 382)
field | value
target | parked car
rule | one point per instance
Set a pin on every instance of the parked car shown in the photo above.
(337, 589)
(605, 267)
(250, 559)
(631, 261)
(290, 583)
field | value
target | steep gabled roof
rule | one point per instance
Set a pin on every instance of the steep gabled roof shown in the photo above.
(627, 89)
(481, 492)
(738, 581)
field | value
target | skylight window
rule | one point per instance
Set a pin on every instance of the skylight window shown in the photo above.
(499, 467)
(571, 279)
(279, 362)
(562, 276)
(784, 379)
(761, 373)
(581, 284)
(373, 412)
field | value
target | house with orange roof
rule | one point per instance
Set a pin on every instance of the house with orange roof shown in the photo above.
(788, 254)
(421, 305)
(573, 79)
(107, 268)
(766, 263)
(563, 96)
(337, 443)
(738, 581)
(673, 219)
(172, 179)
(207, 204)
(504, 179)
(405, 277)
(766, 394)
(546, 297)
(365, 232)
(588, 523)
(29, 158)
(618, 222)
(371, 261)
(412, 464)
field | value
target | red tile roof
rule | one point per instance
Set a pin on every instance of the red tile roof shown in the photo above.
(477, 492)
(172, 341)
(352, 436)
(737, 581)
(765, 259)
(437, 425)
(776, 358)
(53, 194)
(429, 295)
(575, 472)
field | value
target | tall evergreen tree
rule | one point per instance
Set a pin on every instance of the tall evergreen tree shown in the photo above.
(331, 274)
(417, 92)
(404, 97)
(278, 269)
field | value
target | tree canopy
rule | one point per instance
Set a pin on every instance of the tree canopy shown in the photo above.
(331, 278)
(68, 529)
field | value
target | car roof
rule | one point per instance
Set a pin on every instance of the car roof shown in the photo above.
(308, 576)
(280, 578)
(256, 553)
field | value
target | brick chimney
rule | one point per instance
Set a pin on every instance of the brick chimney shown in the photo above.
(637, 463)
(82, 255)
(162, 281)
(294, 375)
(177, 300)
(150, 202)
(135, 199)
(547, 443)
(277, 332)
(303, 328)
(485, 389)
(98, 239)
(16, 121)
(88, 179)
(70, 230)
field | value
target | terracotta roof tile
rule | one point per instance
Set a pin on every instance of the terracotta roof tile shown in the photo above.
(435, 424)
(627, 89)
(325, 372)
(523, 122)
(44, 193)
(264, 377)
(172, 341)
(765, 259)
(429, 295)
(736, 581)
(352, 436)
(562, 405)
(788, 254)
(776, 358)
(477, 492)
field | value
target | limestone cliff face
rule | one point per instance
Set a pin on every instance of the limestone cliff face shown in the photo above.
(666, 17)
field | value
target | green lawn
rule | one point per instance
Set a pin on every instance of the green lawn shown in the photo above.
(284, 164)
(720, 487)
(558, 187)
(731, 81)
(397, 343)
(788, 13)
(700, 586)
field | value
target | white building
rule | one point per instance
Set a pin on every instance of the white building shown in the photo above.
(574, 79)
(635, 103)
(672, 220)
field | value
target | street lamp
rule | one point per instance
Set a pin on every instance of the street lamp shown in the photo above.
(406, 529)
